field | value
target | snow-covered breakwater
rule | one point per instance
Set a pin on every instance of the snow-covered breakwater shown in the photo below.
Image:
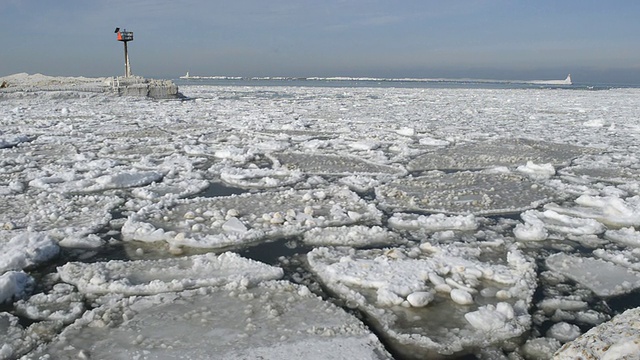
(22, 83)
(298, 222)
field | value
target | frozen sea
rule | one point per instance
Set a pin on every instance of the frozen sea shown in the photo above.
(288, 219)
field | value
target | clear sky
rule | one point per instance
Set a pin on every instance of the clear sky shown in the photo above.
(594, 40)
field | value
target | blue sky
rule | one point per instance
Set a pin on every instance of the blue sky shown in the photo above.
(595, 41)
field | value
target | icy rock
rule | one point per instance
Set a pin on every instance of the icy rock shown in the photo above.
(618, 338)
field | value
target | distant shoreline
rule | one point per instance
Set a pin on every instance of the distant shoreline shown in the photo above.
(566, 81)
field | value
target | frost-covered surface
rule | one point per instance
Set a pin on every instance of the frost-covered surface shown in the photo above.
(483, 301)
(276, 320)
(90, 178)
(617, 339)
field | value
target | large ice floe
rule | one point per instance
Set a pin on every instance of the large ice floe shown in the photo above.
(480, 294)
(288, 222)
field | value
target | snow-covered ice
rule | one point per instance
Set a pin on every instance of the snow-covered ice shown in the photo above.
(500, 223)
(404, 290)
(274, 320)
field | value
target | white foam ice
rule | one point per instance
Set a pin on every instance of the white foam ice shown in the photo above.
(144, 277)
(233, 322)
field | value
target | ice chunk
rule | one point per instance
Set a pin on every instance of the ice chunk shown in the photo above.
(234, 225)
(492, 318)
(625, 236)
(14, 339)
(609, 210)
(540, 348)
(58, 215)
(21, 250)
(602, 277)
(232, 323)
(61, 304)
(156, 276)
(435, 222)
(538, 224)
(12, 140)
(615, 339)
(15, 285)
(563, 332)
(537, 171)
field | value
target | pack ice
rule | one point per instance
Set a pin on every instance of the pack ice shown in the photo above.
(288, 222)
